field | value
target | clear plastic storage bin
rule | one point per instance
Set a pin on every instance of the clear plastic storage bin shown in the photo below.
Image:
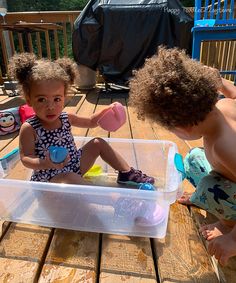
(102, 205)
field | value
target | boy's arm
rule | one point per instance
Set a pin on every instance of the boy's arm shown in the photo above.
(88, 122)
(228, 89)
(225, 87)
(27, 151)
(225, 155)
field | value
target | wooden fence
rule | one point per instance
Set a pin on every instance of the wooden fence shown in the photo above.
(52, 41)
(218, 54)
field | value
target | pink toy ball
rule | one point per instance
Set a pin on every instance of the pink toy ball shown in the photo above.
(144, 213)
(113, 118)
(153, 215)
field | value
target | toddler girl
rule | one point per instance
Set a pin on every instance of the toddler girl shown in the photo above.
(44, 85)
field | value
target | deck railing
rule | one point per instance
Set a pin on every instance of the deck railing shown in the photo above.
(218, 54)
(55, 41)
(52, 41)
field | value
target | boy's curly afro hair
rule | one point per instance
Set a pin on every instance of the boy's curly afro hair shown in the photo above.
(174, 90)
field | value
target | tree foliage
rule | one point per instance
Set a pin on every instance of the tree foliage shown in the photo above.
(45, 5)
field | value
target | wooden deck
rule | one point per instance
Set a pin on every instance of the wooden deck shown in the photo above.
(37, 254)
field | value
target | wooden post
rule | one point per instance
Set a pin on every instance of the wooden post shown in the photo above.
(5, 36)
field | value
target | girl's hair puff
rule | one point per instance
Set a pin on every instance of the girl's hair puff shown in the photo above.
(27, 70)
(20, 66)
(69, 66)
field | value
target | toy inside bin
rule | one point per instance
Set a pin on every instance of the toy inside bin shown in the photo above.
(103, 208)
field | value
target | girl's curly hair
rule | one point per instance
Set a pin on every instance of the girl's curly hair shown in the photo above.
(27, 69)
(174, 90)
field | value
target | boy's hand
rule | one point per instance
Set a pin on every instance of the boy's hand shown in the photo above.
(51, 165)
(223, 247)
(217, 75)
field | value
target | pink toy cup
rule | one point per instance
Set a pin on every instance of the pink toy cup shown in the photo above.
(113, 118)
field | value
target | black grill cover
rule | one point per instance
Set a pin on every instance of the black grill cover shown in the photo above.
(115, 38)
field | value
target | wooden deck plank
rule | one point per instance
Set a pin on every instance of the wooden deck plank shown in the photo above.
(125, 258)
(191, 263)
(227, 273)
(20, 172)
(101, 103)
(17, 271)
(164, 134)
(125, 130)
(87, 108)
(4, 225)
(72, 257)
(7, 103)
(31, 233)
(3, 97)
(184, 239)
(5, 141)
(10, 102)
(180, 257)
(17, 239)
(11, 141)
(21, 252)
(65, 274)
(200, 216)
(140, 129)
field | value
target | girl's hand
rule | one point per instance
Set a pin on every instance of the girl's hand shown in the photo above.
(51, 165)
(113, 104)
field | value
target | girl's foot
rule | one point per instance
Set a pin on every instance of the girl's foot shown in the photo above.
(211, 231)
(134, 177)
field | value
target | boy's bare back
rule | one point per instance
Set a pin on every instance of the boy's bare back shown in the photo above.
(220, 143)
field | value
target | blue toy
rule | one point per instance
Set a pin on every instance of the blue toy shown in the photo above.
(10, 158)
(146, 187)
(58, 153)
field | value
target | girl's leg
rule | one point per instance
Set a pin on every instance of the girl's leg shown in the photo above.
(68, 178)
(99, 147)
